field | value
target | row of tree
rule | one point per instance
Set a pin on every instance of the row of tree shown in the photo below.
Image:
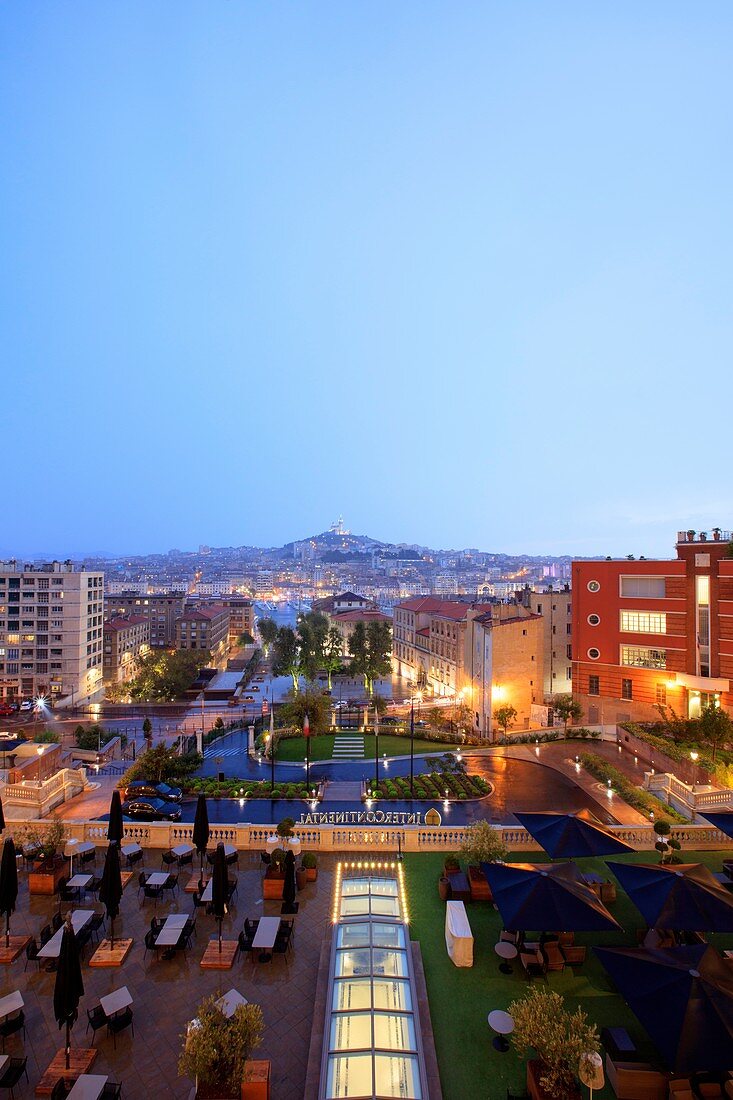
(314, 646)
(162, 676)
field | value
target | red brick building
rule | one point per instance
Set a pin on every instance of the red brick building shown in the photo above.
(649, 633)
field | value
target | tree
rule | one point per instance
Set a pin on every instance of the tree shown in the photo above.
(310, 702)
(162, 764)
(567, 709)
(715, 727)
(359, 651)
(147, 732)
(560, 1038)
(166, 675)
(92, 738)
(332, 653)
(505, 715)
(286, 655)
(268, 632)
(245, 638)
(482, 843)
(371, 652)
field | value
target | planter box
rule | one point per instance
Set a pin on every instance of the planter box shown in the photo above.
(256, 1084)
(535, 1089)
(272, 886)
(311, 874)
(46, 875)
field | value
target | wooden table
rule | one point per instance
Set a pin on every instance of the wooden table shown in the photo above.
(79, 918)
(10, 1003)
(170, 933)
(266, 933)
(88, 1086)
(80, 1061)
(116, 1001)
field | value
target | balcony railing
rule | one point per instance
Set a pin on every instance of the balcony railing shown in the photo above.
(716, 535)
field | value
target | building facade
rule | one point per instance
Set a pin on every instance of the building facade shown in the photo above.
(650, 634)
(345, 622)
(506, 667)
(161, 609)
(556, 609)
(126, 640)
(241, 616)
(204, 629)
(50, 631)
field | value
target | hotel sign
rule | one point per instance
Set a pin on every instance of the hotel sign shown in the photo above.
(369, 817)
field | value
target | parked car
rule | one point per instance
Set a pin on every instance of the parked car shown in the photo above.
(6, 709)
(340, 704)
(151, 809)
(391, 720)
(253, 687)
(26, 704)
(248, 698)
(325, 692)
(148, 788)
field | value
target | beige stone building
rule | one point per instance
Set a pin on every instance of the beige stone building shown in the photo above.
(555, 607)
(162, 610)
(205, 629)
(505, 666)
(345, 622)
(126, 640)
(241, 616)
(50, 631)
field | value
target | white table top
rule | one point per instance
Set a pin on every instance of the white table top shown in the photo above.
(158, 878)
(501, 1022)
(10, 1003)
(230, 1001)
(79, 881)
(3, 1060)
(52, 949)
(130, 849)
(170, 933)
(229, 850)
(266, 932)
(88, 1086)
(76, 847)
(292, 843)
(182, 850)
(505, 950)
(115, 1002)
(208, 894)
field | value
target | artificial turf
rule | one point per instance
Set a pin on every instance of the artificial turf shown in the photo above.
(321, 747)
(461, 998)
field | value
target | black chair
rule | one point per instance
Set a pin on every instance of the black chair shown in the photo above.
(83, 937)
(95, 924)
(46, 934)
(97, 1018)
(88, 857)
(190, 928)
(93, 887)
(59, 1090)
(290, 909)
(156, 923)
(56, 921)
(210, 857)
(151, 893)
(232, 886)
(245, 942)
(168, 859)
(233, 858)
(111, 1091)
(133, 858)
(11, 1024)
(265, 861)
(14, 1070)
(31, 954)
(171, 883)
(183, 861)
(118, 1023)
(197, 902)
(142, 878)
(150, 938)
(68, 893)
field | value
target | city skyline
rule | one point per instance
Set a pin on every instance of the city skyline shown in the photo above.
(456, 269)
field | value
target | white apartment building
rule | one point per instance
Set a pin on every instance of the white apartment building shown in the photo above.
(50, 631)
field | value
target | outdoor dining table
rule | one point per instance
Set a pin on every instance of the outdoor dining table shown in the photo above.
(291, 844)
(505, 951)
(116, 1002)
(11, 1002)
(266, 933)
(131, 849)
(158, 878)
(503, 1024)
(79, 882)
(208, 894)
(76, 848)
(230, 1001)
(170, 933)
(52, 949)
(88, 1086)
(182, 850)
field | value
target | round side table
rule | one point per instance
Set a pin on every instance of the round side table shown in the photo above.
(505, 951)
(503, 1024)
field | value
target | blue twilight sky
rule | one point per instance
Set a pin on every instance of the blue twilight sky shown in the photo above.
(459, 271)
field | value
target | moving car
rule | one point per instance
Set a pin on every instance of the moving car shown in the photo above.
(148, 788)
(151, 809)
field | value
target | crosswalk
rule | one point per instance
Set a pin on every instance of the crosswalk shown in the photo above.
(348, 747)
(213, 751)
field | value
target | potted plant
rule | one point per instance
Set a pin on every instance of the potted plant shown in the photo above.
(285, 828)
(482, 843)
(274, 881)
(451, 865)
(309, 863)
(560, 1039)
(690, 535)
(48, 872)
(716, 534)
(216, 1049)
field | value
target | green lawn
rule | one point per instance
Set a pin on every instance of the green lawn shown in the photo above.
(461, 999)
(321, 748)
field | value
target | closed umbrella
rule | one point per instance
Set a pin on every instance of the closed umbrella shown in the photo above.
(110, 889)
(683, 997)
(684, 896)
(546, 898)
(289, 884)
(69, 986)
(201, 828)
(8, 884)
(219, 886)
(572, 836)
(115, 827)
(2, 816)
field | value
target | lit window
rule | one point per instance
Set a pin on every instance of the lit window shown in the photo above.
(643, 657)
(644, 622)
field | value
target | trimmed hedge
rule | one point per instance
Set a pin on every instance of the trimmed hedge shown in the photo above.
(721, 769)
(639, 800)
(574, 733)
(245, 788)
(433, 787)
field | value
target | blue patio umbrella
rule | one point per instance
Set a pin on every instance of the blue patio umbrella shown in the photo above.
(572, 836)
(546, 898)
(683, 997)
(682, 896)
(722, 821)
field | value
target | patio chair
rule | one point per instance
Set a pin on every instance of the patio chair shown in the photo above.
(167, 860)
(281, 947)
(94, 885)
(197, 902)
(118, 1023)
(133, 858)
(171, 883)
(88, 857)
(184, 861)
(150, 944)
(14, 1070)
(83, 937)
(96, 1018)
(31, 954)
(46, 934)
(156, 923)
(151, 893)
(142, 878)
(12, 1024)
(574, 955)
(233, 858)
(532, 965)
(56, 921)
(190, 929)
(291, 909)
(554, 958)
(95, 924)
(244, 942)
(111, 1091)
(508, 937)
(59, 1090)
(66, 893)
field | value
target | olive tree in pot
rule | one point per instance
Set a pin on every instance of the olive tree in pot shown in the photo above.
(216, 1049)
(309, 863)
(560, 1040)
(482, 843)
(666, 844)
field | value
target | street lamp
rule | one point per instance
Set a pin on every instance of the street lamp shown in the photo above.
(693, 757)
(39, 750)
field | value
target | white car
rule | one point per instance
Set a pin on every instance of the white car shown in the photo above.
(26, 704)
(340, 704)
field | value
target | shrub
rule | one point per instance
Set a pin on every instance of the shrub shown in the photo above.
(639, 800)
(214, 1051)
(560, 1038)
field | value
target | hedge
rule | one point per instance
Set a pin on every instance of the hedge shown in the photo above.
(639, 800)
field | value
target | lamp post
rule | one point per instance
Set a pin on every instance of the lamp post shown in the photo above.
(412, 746)
(693, 758)
(39, 750)
(307, 735)
(376, 747)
